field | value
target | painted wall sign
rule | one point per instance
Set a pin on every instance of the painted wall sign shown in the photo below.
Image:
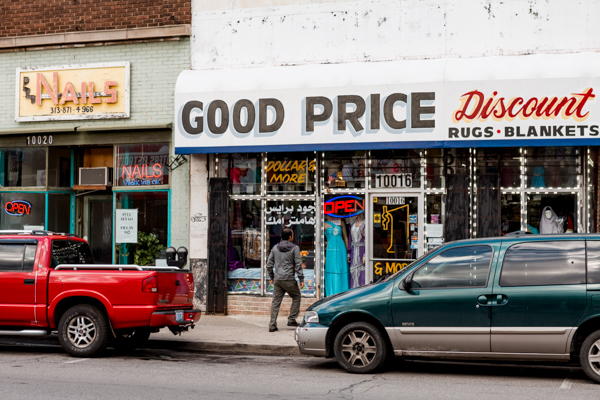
(344, 206)
(463, 102)
(17, 208)
(126, 226)
(70, 92)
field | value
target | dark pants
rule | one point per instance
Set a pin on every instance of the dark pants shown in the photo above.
(280, 288)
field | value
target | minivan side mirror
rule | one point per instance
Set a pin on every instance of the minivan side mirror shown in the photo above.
(408, 282)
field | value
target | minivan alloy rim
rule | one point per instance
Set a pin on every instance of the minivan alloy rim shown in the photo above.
(594, 357)
(81, 331)
(359, 346)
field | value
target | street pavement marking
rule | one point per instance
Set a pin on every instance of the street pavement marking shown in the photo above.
(75, 361)
(566, 384)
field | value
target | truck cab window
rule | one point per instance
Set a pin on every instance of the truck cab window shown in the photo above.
(71, 252)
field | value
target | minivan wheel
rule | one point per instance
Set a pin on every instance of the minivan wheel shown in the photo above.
(360, 348)
(82, 331)
(590, 356)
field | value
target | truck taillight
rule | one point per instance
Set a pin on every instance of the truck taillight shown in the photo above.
(150, 285)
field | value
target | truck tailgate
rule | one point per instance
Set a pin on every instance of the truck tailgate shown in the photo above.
(175, 289)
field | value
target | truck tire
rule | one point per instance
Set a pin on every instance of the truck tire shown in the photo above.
(360, 348)
(131, 339)
(83, 331)
(589, 356)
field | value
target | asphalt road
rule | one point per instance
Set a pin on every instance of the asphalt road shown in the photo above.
(39, 369)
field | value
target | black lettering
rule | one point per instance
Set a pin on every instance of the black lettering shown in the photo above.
(582, 129)
(509, 131)
(352, 117)
(594, 130)
(311, 118)
(465, 132)
(388, 110)
(212, 113)
(531, 131)
(237, 116)
(546, 131)
(453, 133)
(557, 131)
(263, 105)
(375, 104)
(519, 134)
(185, 118)
(416, 110)
(477, 132)
(570, 130)
(489, 131)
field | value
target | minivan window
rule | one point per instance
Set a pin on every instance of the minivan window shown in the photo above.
(544, 263)
(71, 252)
(593, 261)
(458, 267)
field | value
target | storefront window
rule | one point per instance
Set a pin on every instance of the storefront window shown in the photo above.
(142, 164)
(23, 211)
(290, 173)
(300, 216)
(344, 237)
(59, 167)
(23, 167)
(395, 169)
(434, 234)
(511, 213)
(245, 174)
(59, 206)
(245, 246)
(152, 218)
(552, 213)
(552, 167)
(343, 169)
(457, 174)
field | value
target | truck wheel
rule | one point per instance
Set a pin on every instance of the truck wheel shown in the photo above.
(82, 331)
(360, 348)
(589, 356)
(131, 339)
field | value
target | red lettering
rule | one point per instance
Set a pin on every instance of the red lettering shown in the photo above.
(136, 170)
(339, 206)
(53, 92)
(462, 112)
(158, 169)
(126, 169)
(358, 204)
(349, 206)
(92, 99)
(112, 92)
(328, 208)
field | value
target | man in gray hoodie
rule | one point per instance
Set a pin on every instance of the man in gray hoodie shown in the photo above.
(285, 256)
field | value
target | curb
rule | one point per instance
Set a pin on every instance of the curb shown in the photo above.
(220, 347)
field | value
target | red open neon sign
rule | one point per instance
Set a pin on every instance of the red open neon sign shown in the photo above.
(17, 207)
(344, 206)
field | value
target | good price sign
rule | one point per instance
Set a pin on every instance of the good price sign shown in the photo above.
(493, 101)
(96, 91)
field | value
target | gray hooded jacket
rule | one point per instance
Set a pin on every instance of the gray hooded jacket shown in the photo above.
(285, 256)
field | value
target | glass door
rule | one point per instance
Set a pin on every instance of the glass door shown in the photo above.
(395, 232)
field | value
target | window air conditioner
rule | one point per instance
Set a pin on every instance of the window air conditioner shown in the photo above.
(99, 176)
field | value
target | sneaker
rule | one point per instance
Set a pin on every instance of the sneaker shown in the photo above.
(273, 329)
(293, 323)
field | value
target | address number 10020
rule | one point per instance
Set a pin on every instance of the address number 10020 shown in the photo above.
(39, 140)
(393, 180)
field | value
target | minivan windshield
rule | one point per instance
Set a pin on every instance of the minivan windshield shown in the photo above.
(393, 276)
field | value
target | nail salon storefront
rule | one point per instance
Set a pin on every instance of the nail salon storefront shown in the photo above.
(374, 164)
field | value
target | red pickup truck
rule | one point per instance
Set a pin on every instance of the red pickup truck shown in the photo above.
(49, 283)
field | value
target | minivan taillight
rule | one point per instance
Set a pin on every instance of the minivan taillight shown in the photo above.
(150, 285)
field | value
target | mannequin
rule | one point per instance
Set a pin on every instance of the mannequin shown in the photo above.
(550, 222)
(337, 278)
(356, 252)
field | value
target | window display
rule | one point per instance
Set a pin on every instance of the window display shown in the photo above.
(23, 211)
(343, 169)
(510, 213)
(23, 167)
(142, 164)
(552, 213)
(552, 167)
(59, 167)
(395, 169)
(290, 173)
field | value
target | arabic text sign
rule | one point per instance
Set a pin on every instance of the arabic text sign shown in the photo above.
(73, 92)
(127, 226)
(288, 215)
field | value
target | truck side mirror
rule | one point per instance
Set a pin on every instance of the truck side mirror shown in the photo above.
(177, 258)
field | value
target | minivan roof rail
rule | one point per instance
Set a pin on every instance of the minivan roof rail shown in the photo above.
(519, 233)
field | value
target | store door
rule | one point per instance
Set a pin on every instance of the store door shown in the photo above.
(99, 227)
(396, 232)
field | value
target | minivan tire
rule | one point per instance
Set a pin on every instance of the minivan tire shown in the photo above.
(591, 347)
(360, 348)
(83, 331)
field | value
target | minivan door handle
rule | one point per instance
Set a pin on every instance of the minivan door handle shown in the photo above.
(484, 301)
(501, 300)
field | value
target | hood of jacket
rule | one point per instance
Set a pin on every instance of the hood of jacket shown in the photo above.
(285, 246)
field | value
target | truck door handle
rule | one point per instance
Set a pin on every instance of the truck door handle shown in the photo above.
(484, 301)
(30, 281)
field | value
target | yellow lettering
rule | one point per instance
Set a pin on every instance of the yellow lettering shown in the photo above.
(276, 178)
(293, 178)
(295, 166)
(277, 166)
(389, 268)
(302, 165)
(301, 178)
(311, 166)
(270, 165)
(378, 269)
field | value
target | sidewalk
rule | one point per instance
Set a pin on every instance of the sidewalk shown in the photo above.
(239, 334)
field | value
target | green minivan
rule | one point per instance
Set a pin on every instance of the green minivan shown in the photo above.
(518, 297)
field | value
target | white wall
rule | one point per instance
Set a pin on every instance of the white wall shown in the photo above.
(237, 33)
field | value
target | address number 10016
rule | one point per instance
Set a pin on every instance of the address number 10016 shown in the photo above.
(393, 180)
(39, 140)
